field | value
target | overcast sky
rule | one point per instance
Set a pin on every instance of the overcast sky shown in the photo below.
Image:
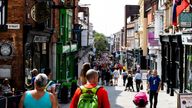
(107, 16)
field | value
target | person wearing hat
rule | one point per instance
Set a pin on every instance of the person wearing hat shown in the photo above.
(34, 73)
(38, 98)
(6, 88)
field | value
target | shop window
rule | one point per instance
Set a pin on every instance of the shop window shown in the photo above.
(3, 14)
(44, 49)
(62, 24)
(189, 68)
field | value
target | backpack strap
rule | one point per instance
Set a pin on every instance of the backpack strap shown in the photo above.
(48, 84)
(94, 89)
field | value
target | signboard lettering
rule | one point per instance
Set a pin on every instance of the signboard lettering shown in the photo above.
(13, 26)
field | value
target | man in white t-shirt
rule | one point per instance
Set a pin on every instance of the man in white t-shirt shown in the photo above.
(116, 77)
(138, 80)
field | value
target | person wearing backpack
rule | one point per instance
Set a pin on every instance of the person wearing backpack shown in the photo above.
(90, 95)
(51, 86)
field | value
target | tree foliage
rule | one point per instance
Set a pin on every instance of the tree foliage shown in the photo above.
(100, 42)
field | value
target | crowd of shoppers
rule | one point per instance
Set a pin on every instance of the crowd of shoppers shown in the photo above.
(95, 75)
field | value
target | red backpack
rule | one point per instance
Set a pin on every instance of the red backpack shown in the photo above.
(140, 99)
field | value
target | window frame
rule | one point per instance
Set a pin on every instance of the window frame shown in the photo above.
(3, 14)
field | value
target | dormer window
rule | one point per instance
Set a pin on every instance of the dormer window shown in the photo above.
(3, 15)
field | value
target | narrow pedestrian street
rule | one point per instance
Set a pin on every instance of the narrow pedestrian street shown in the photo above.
(124, 99)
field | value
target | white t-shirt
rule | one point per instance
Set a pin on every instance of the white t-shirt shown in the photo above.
(49, 87)
(138, 76)
(116, 74)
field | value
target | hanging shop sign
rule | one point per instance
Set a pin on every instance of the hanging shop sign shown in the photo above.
(185, 19)
(40, 12)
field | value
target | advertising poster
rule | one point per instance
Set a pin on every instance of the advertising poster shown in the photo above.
(185, 100)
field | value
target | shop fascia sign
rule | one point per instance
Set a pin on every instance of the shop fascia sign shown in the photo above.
(66, 49)
(187, 39)
(73, 47)
(38, 38)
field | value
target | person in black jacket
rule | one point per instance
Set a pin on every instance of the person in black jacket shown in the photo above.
(129, 83)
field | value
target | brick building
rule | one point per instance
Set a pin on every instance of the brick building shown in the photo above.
(11, 41)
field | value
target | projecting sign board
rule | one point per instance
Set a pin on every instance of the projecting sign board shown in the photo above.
(185, 19)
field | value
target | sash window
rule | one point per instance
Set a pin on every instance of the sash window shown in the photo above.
(3, 14)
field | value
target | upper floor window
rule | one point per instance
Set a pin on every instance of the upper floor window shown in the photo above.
(3, 14)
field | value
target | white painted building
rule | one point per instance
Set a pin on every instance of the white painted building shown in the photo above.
(91, 37)
(117, 41)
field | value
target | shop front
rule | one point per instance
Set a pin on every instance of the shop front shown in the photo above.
(187, 43)
(66, 62)
(172, 63)
(36, 52)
